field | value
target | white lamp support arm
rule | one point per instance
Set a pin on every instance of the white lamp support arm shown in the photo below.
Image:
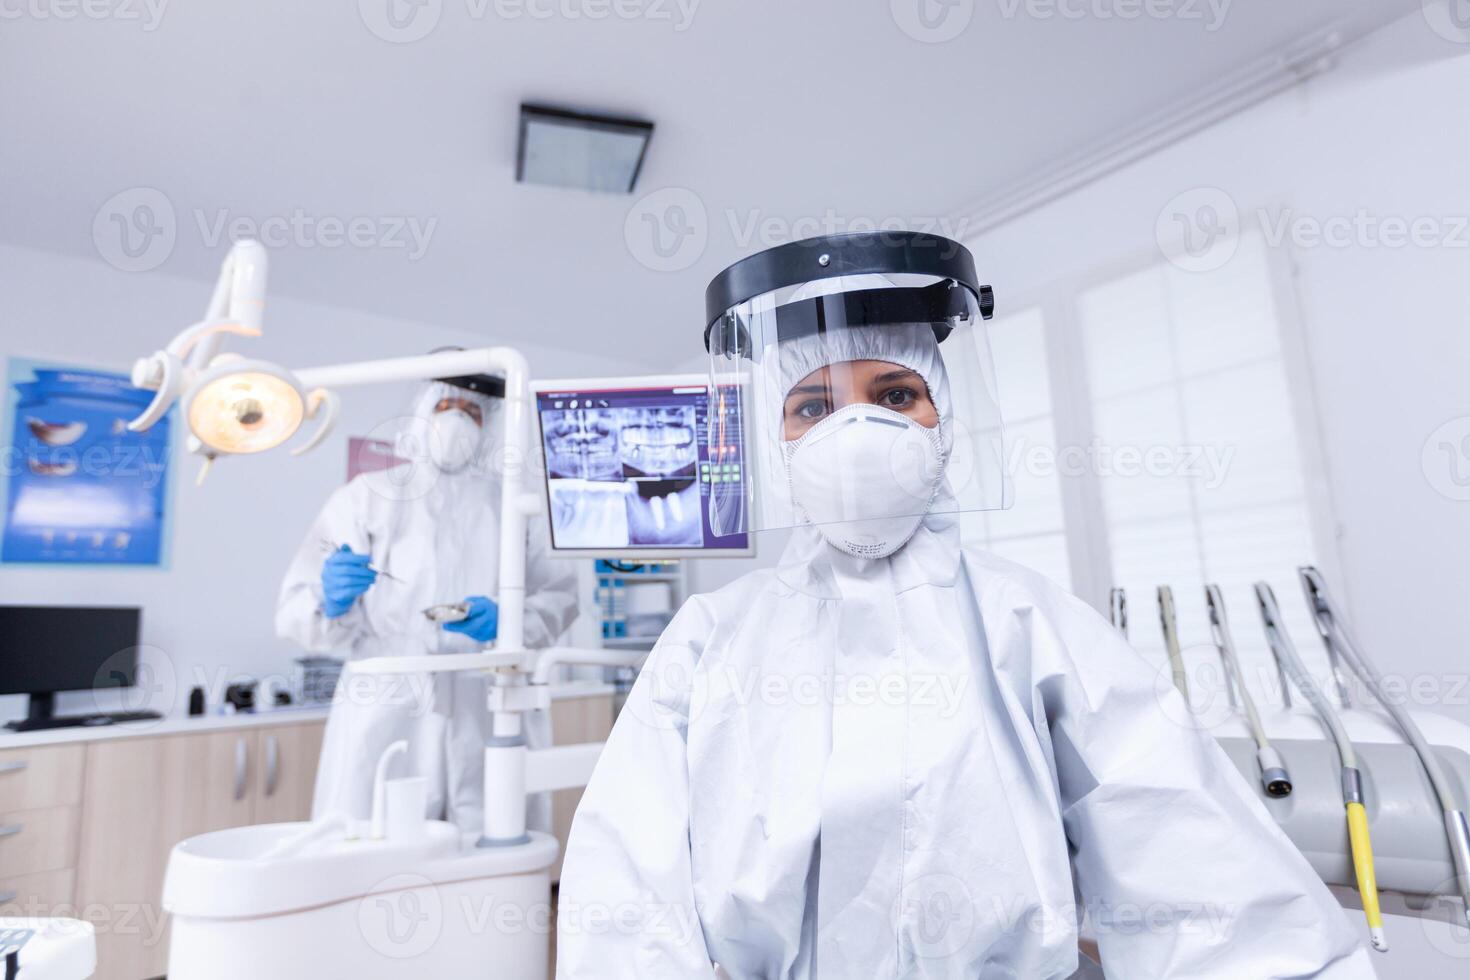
(236, 306)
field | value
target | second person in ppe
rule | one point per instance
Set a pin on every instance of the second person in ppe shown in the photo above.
(892, 755)
(388, 546)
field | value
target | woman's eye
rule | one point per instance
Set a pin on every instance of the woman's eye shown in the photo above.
(813, 409)
(897, 398)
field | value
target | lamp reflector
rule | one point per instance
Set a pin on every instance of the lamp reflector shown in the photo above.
(246, 411)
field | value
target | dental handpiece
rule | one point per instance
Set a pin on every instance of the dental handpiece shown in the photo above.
(1274, 778)
(1457, 830)
(1171, 640)
(1359, 839)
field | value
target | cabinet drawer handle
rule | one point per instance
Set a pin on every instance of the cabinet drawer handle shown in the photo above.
(7, 897)
(242, 759)
(11, 829)
(16, 766)
(272, 764)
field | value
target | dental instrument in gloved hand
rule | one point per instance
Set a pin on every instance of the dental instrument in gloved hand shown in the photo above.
(1336, 634)
(1171, 640)
(483, 620)
(345, 576)
(1352, 779)
(330, 546)
(1274, 777)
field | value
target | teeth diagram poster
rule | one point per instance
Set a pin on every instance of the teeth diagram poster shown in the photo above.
(80, 488)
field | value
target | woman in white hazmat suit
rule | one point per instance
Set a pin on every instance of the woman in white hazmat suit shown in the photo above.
(891, 755)
(432, 523)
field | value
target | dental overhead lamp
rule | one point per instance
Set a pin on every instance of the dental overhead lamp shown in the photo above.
(233, 405)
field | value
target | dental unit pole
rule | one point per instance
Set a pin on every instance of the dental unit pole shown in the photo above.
(1319, 601)
(1352, 779)
(1171, 640)
(1274, 778)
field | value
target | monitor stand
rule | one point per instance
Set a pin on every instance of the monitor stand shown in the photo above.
(41, 715)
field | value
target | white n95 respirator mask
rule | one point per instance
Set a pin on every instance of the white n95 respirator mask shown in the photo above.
(866, 476)
(454, 441)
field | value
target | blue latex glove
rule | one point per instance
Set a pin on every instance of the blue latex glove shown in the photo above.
(345, 576)
(482, 622)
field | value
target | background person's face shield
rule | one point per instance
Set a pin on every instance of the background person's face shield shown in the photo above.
(788, 360)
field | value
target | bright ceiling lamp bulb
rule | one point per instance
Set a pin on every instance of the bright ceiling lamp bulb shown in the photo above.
(242, 407)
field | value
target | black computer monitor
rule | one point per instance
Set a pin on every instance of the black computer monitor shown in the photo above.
(46, 649)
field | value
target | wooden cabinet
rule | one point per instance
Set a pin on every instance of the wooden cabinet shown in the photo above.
(40, 806)
(34, 778)
(144, 795)
(574, 721)
(286, 775)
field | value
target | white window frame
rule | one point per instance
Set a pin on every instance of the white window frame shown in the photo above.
(1083, 516)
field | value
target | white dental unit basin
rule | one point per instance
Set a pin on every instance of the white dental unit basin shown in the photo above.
(333, 907)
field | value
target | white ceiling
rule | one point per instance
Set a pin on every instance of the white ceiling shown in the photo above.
(764, 109)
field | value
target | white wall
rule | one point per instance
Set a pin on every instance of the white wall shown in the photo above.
(208, 614)
(1382, 135)
(1385, 327)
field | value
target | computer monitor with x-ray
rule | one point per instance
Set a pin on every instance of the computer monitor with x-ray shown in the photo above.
(630, 470)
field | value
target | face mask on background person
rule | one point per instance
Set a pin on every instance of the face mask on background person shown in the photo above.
(455, 440)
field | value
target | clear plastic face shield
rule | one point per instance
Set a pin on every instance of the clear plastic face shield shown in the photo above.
(853, 382)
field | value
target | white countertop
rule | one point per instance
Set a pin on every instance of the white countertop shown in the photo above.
(173, 725)
(182, 724)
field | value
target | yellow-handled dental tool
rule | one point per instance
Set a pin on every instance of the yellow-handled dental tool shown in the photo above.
(1362, 845)
(1331, 626)
(1352, 779)
(1171, 640)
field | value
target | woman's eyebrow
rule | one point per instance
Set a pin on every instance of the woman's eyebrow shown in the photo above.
(903, 374)
(818, 389)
